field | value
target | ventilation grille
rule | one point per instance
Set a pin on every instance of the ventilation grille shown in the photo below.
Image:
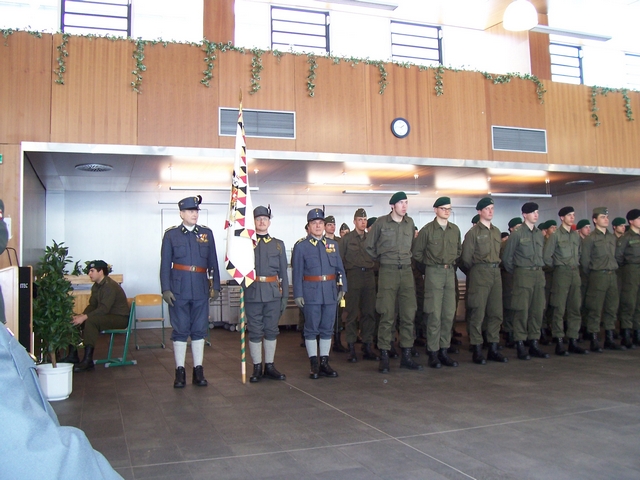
(94, 167)
(259, 123)
(519, 139)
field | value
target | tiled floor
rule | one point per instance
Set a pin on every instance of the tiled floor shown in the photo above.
(562, 418)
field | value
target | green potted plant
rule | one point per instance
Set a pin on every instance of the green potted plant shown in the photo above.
(52, 312)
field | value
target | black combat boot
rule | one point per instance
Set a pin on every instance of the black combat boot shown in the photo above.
(325, 368)
(367, 352)
(636, 337)
(522, 351)
(87, 361)
(181, 378)
(508, 340)
(257, 373)
(625, 334)
(393, 353)
(407, 362)
(353, 358)
(575, 348)
(433, 359)
(560, 351)
(337, 344)
(383, 366)
(610, 343)
(595, 344)
(543, 338)
(414, 352)
(477, 356)
(495, 355)
(534, 350)
(271, 372)
(314, 373)
(445, 359)
(72, 356)
(453, 349)
(198, 377)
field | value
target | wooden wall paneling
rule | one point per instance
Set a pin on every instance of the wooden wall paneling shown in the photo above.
(570, 130)
(539, 51)
(458, 118)
(25, 89)
(617, 139)
(334, 119)
(407, 95)
(276, 92)
(97, 103)
(219, 20)
(175, 109)
(10, 195)
(514, 104)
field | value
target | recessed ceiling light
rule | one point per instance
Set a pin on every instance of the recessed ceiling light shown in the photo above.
(94, 167)
(579, 182)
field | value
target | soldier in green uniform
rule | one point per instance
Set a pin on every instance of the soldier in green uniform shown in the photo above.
(523, 257)
(545, 328)
(361, 297)
(628, 257)
(598, 261)
(507, 289)
(618, 225)
(389, 242)
(481, 259)
(562, 252)
(436, 251)
(584, 229)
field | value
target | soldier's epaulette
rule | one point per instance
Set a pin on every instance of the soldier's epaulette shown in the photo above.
(170, 228)
(203, 226)
(302, 239)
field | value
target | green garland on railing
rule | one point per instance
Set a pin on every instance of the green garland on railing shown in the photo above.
(63, 53)
(604, 91)
(383, 75)
(313, 65)
(138, 55)
(256, 68)
(506, 78)
(438, 72)
(209, 48)
(627, 104)
(594, 106)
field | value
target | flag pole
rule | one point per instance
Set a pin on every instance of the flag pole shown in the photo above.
(243, 352)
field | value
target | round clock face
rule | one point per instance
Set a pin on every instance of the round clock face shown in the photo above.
(400, 127)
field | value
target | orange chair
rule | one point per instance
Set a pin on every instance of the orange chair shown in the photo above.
(149, 300)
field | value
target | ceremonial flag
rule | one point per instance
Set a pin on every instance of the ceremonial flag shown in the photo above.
(241, 231)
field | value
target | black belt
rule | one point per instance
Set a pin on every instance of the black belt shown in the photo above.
(530, 268)
(440, 265)
(399, 266)
(487, 265)
(360, 269)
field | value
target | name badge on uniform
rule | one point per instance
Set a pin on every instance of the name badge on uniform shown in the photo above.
(202, 238)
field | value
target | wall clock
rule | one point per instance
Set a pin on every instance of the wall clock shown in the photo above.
(400, 127)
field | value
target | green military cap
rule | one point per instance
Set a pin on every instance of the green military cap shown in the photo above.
(551, 223)
(397, 197)
(484, 202)
(359, 213)
(371, 221)
(633, 214)
(344, 226)
(583, 223)
(442, 201)
(618, 221)
(543, 226)
(329, 219)
(600, 211)
(515, 222)
(475, 219)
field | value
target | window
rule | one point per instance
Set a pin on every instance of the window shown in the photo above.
(566, 63)
(419, 44)
(633, 70)
(299, 30)
(112, 17)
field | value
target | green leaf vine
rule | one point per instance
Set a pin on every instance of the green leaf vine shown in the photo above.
(438, 73)
(383, 75)
(63, 53)
(506, 78)
(138, 55)
(5, 34)
(604, 91)
(256, 68)
(209, 48)
(313, 65)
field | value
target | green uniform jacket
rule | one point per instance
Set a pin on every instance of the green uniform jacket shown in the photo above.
(438, 246)
(481, 245)
(628, 249)
(107, 298)
(353, 253)
(523, 249)
(390, 242)
(562, 248)
(599, 251)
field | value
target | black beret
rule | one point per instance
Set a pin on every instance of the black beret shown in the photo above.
(97, 264)
(484, 202)
(515, 221)
(504, 234)
(397, 197)
(565, 211)
(442, 201)
(551, 223)
(633, 214)
(529, 207)
(618, 221)
(475, 219)
(371, 221)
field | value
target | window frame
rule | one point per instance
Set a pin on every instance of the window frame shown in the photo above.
(580, 68)
(404, 58)
(327, 22)
(116, 31)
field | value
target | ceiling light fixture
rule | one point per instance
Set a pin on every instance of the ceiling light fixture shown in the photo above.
(519, 16)
(570, 33)
(366, 3)
(377, 192)
(94, 167)
(209, 189)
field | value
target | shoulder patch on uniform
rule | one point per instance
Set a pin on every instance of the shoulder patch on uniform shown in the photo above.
(171, 228)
